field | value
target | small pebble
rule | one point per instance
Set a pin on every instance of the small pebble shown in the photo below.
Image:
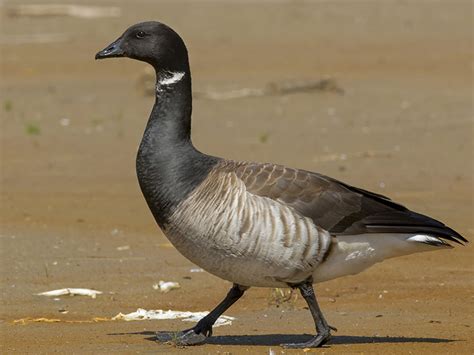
(64, 122)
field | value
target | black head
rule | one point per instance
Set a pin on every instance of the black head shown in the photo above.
(151, 42)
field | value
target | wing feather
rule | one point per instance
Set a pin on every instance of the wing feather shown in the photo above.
(333, 205)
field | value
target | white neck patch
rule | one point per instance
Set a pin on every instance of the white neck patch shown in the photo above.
(171, 78)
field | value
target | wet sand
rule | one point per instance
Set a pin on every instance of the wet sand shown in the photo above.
(72, 214)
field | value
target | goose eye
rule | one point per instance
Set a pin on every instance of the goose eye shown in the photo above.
(141, 34)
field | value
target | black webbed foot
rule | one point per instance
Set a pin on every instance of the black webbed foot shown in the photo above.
(319, 340)
(196, 335)
(191, 337)
(203, 330)
(323, 329)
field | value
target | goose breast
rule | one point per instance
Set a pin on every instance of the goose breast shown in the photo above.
(245, 238)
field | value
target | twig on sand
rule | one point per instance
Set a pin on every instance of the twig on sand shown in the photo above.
(28, 320)
(274, 89)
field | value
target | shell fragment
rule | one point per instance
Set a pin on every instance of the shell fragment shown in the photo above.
(71, 292)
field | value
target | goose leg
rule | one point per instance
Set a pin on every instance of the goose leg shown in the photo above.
(322, 328)
(203, 329)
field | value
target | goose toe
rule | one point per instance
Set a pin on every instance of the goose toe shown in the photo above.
(190, 337)
(315, 342)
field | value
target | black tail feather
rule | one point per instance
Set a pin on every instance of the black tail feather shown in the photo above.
(410, 222)
(443, 233)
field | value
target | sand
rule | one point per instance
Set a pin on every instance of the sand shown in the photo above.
(72, 214)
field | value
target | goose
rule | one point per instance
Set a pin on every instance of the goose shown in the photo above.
(255, 224)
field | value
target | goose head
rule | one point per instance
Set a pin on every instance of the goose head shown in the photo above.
(151, 42)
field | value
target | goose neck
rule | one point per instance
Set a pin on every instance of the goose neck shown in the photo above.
(170, 119)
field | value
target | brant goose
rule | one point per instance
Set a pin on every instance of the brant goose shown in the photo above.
(256, 224)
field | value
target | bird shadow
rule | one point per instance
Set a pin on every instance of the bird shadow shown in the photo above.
(277, 339)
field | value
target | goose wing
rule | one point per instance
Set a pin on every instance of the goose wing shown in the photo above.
(335, 206)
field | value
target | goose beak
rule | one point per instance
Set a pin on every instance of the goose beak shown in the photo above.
(111, 51)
